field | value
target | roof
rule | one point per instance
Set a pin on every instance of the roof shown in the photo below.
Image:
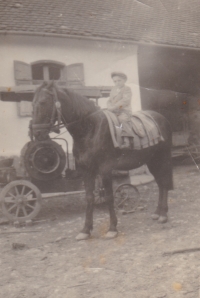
(169, 22)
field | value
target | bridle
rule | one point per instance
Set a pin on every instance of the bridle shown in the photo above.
(56, 115)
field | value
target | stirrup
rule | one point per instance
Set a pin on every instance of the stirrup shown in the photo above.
(128, 146)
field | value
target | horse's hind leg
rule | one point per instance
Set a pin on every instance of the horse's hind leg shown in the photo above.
(107, 183)
(161, 168)
(160, 213)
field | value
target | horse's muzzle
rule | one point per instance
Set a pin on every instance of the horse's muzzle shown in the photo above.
(39, 131)
(41, 135)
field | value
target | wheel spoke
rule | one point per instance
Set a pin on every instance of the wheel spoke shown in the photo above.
(30, 206)
(126, 196)
(24, 211)
(9, 200)
(29, 193)
(126, 190)
(123, 194)
(128, 193)
(122, 202)
(17, 211)
(23, 188)
(12, 195)
(12, 207)
(17, 191)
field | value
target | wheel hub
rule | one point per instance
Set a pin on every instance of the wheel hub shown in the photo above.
(21, 200)
(44, 160)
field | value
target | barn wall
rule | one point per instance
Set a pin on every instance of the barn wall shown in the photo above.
(170, 84)
(99, 58)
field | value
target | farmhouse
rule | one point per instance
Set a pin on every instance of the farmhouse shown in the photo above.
(78, 43)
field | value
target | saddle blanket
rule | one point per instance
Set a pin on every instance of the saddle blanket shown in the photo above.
(145, 130)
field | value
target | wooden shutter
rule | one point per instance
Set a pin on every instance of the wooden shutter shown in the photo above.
(25, 108)
(22, 73)
(23, 76)
(73, 74)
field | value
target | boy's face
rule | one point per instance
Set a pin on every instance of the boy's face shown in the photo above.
(119, 81)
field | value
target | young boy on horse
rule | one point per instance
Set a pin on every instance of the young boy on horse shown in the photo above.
(120, 104)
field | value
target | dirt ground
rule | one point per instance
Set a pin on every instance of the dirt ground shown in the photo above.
(52, 264)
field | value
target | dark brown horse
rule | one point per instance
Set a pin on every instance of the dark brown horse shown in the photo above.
(94, 151)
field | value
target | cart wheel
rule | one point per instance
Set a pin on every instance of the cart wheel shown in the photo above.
(195, 151)
(99, 192)
(43, 160)
(126, 197)
(20, 200)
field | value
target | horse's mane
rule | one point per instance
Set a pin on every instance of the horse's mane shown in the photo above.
(81, 104)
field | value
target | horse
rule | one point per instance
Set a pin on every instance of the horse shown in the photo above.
(94, 151)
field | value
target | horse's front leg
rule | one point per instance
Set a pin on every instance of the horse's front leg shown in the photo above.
(161, 211)
(107, 183)
(164, 207)
(89, 182)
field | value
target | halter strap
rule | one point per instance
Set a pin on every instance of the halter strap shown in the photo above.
(56, 110)
(57, 106)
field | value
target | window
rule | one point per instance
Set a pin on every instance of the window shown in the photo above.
(44, 70)
(48, 70)
(37, 72)
(54, 72)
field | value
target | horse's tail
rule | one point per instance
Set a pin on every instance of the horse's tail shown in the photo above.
(167, 156)
(161, 164)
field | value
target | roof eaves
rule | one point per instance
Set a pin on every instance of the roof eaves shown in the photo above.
(99, 38)
(66, 35)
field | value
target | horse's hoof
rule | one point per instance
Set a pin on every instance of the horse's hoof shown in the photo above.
(82, 236)
(162, 219)
(111, 234)
(155, 216)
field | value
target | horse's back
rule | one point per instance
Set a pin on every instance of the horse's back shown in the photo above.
(163, 124)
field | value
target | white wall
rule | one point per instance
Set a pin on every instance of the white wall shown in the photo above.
(99, 58)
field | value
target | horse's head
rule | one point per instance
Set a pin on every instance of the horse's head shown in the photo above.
(46, 110)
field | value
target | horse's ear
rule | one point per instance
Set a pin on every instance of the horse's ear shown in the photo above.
(51, 84)
(55, 85)
(44, 84)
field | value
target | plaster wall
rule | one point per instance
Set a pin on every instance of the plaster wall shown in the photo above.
(99, 59)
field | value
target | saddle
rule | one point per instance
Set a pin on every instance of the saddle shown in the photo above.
(142, 129)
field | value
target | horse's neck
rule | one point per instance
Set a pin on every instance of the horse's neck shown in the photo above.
(68, 114)
(78, 122)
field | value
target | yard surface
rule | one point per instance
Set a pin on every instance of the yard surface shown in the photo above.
(50, 263)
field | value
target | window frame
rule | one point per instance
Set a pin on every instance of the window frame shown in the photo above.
(23, 76)
(45, 66)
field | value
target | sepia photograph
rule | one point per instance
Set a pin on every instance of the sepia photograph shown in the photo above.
(99, 148)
